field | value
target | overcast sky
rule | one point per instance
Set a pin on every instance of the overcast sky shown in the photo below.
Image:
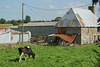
(12, 9)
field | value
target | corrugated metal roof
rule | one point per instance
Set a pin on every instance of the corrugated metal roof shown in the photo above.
(68, 38)
(77, 17)
(16, 32)
(12, 31)
(40, 24)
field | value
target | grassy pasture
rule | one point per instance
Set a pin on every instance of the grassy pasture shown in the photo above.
(51, 56)
(5, 25)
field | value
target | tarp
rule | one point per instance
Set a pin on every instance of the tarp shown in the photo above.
(65, 37)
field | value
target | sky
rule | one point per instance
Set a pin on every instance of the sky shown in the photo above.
(12, 9)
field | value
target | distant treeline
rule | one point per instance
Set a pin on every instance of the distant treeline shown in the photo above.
(56, 19)
(15, 22)
(27, 20)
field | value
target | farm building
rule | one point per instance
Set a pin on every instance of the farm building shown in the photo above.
(38, 28)
(80, 23)
(8, 35)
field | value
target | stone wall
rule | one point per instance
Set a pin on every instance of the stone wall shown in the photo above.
(84, 35)
(88, 35)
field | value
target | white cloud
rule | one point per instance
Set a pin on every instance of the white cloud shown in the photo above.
(75, 4)
(68, 6)
(47, 0)
(61, 12)
(7, 7)
(51, 6)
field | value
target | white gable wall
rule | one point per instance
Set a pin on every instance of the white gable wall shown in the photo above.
(5, 37)
(15, 38)
(18, 38)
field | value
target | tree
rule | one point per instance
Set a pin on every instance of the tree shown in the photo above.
(56, 19)
(14, 22)
(19, 21)
(8, 22)
(2, 21)
(99, 19)
(95, 2)
(27, 19)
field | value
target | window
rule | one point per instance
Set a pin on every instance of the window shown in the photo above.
(87, 30)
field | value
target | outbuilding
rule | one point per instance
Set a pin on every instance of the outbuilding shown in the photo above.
(8, 35)
(79, 22)
(37, 28)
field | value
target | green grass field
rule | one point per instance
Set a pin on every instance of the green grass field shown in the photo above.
(5, 25)
(51, 56)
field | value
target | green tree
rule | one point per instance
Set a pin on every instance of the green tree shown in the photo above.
(14, 22)
(56, 19)
(95, 2)
(8, 22)
(2, 21)
(27, 19)
(99, 19)
(19, 21)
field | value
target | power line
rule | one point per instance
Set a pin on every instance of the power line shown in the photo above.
(43, 8)
(34, 11)
(56, 9)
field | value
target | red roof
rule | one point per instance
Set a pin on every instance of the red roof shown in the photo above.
(68, 38)
(15, 32)
(2, 28)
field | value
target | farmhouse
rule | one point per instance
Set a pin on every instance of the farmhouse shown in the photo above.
(38, 28)
(79, 22)
(8, 35)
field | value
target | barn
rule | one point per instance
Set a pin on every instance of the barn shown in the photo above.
(37, 28)
(79, 22)
(8, 35)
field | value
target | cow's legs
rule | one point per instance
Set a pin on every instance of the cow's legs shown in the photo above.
(29, 56)
(21, 56)
(25, 57)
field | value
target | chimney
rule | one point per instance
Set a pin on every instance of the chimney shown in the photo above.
(92, 8)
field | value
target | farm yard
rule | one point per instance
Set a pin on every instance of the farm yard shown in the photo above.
(51, 56)
(61, 33)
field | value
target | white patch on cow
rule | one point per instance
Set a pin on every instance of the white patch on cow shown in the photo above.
(28, 47)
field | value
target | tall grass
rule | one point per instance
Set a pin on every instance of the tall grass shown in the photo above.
(51, 56)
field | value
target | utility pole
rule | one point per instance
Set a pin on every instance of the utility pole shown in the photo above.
(22, 20)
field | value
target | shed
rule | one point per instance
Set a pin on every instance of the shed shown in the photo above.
(38, 28)
(8, 35)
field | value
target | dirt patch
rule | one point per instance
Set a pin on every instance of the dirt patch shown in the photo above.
(6, 46)
(28, 43)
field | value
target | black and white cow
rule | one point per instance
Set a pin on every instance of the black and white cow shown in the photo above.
(25, 51)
